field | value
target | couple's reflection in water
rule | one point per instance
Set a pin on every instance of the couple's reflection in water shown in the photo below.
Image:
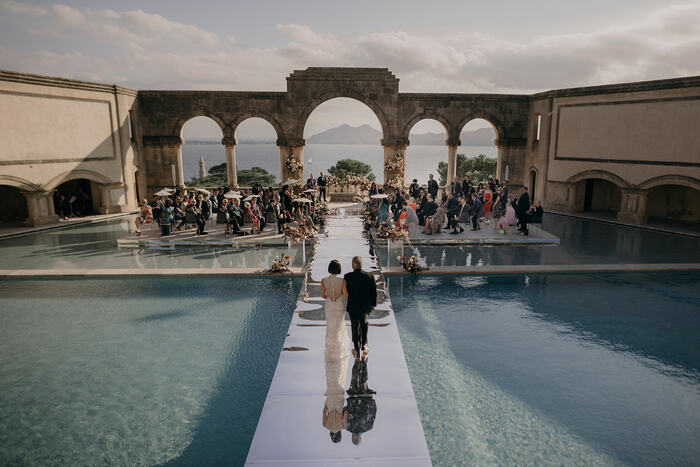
(355, 414)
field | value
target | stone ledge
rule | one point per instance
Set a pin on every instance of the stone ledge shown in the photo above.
(549, 269)
(67, 273)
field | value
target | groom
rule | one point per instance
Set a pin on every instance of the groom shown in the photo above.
(362, 298)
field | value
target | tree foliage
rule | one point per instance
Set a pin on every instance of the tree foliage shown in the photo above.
(478, 169)
(351, 167)
(246, 177)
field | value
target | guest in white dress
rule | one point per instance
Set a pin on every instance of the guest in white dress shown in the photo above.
(334, 290)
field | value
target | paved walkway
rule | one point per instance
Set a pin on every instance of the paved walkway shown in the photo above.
(290, 430)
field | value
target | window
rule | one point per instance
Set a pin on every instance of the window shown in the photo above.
(539, 127)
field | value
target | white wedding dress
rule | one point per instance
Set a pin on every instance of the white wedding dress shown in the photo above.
(336, 354)
(337, 340)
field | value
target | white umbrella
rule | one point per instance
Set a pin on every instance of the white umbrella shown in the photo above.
(163, 192)
(248, 198)
(290, 182)
(302, 200)
(310, 191)
(232, 194)
(379, 196)
(204, 190)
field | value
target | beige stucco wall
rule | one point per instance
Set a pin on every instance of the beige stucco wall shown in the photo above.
(621, 133)
(55, 130)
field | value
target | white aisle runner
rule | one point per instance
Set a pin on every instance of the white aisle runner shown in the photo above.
(290, 429)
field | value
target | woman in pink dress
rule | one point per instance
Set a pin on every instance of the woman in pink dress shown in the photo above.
(509, 219)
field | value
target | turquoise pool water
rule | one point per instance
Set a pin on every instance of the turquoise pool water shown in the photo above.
(94, 246)
(555, 369)
(582, 242)
(137, 371)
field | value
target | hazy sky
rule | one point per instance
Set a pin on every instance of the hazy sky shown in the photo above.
(438, 46)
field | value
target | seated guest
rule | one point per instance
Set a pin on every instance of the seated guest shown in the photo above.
(461, 215)
(536, 213)
(510, 218)
(414, 189)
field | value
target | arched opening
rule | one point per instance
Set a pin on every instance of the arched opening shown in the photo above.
(78, 197)
(343, 128)
(674, 204)
(13, 209)
(426, 153)
(533, 184)
(257, 154)
(477, 145)
(598, 195)
(201, 141)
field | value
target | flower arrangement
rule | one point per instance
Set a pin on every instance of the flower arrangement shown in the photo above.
(303, 230)
(395, 167)
(279, 265)
(320, 212)
(294, 168)
(392, 232)
(411, 264)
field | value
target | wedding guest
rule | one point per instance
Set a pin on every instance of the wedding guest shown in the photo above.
(145, 216)
(523, 210)
(414, 189)
(432, 186)
(476, 212)
(510, 218)
(536, 213)
(322, 182)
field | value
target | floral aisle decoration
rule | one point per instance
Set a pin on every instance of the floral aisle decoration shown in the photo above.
(395, 168)
(320, 213)
(391, 232)
(295, 169)
(279, 265)
(411, 264)
(303, 230)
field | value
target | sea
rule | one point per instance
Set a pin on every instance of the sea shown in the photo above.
(420, 160)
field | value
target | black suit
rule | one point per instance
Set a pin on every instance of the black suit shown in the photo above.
(523, 211)
(362, 297)
(432, 188)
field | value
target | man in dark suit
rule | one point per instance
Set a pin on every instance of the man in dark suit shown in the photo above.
(523, 210)
(461, 216)
(414, 189)
(432, 186)
(362, 298)
(322, 182)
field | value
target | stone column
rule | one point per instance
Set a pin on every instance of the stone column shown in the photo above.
(390, 151)
(511, 154)
(163, 159)
(231, 169)
(452, 145)
(294, 148)
(112, 198)
(40, 208)
(633, 206)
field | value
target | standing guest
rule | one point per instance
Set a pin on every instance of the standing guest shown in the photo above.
(498, 209)
(452, 205)
(166, 218)
(310, 182)
(414, 189)
(456, 189)
(505, 192)
(255, 207)
(322, 183)
(523, 210)
(492, 185)
(487, 202)
(383, 213)
(373, 190)
(286, 198)
(362, 298)
(476, 212)
(465, 186)
(432, 186)
(200, 208)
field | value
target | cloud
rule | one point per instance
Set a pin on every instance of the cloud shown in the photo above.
(145, 50)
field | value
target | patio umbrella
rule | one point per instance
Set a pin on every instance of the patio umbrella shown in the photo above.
(248, 198)
(310, 190)
(232, 194)
(302, 200)
(204, 190)
(290, 182)
(379, 196)
(163, 192)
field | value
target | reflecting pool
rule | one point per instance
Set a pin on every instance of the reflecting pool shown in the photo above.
(137, 371)
(555, 369)
(582, 241)
(94, 246)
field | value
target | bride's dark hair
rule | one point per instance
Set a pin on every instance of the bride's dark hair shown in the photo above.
(334, 267)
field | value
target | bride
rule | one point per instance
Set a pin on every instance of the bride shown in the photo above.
(334, 290)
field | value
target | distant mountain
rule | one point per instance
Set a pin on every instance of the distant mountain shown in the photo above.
(346, 134)
(365, 134)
